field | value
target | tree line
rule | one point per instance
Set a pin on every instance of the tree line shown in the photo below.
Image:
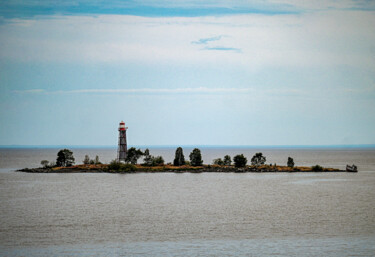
(65, 158)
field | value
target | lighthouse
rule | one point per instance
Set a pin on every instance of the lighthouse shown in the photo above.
(122, 145)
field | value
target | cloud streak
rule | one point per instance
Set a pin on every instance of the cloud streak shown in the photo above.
(222, 48)
(204, 41)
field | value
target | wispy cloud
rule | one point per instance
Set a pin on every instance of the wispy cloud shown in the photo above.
(222, 48)
(204, 41)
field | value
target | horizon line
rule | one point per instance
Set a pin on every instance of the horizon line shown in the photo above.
(192, 146)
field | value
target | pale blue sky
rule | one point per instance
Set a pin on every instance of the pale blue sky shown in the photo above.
(187, 72)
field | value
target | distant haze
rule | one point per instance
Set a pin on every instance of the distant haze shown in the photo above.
(187, 72)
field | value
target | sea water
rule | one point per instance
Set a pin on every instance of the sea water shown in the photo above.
(205, 214)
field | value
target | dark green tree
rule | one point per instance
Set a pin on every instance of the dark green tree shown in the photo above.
(240, 161)
(227, 160)
(65, 158)
(290, 162)
(97, 160)
(179, 158)
(133, 155)
(147, 159)
(44, 163)
(86, 160)
(218, 161)
(258, 159)
(157, 161)
(196, 157)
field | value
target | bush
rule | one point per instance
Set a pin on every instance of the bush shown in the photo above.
(258, 159)
(121, 167)
(317, 168)
(218, 161)
(290, 162)
(45, 163)
(196, 157)
(157, 161)
(240, 161)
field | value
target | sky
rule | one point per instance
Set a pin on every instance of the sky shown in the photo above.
(187, 72)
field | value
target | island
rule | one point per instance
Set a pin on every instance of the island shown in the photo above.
(129, 168)
(155, 164)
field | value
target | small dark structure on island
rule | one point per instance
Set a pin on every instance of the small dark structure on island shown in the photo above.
(352, 168)
(122, 145)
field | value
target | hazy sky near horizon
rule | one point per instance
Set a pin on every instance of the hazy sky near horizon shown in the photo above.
(275, 72)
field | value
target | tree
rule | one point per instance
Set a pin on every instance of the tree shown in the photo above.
(218, 161)
(196, 157)
(86, 160)
(258, 159)
(133, 155)
(227, 160)
(240, 161)
(147, 159)
(290, 162)
(97, 160)
(179, 158)
(44, 163)
(65, 158)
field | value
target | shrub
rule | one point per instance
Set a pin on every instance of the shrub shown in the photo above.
(290, 162)
(240, 161)
(218, 161)
(258, 159)
(317, 168)
(121, 167)
(157, 161)
(44, 163)
(196, 157)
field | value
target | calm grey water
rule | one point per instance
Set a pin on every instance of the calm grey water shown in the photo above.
(206, 214)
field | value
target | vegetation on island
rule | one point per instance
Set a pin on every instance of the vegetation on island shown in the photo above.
(240, 161)
(87, 160)
(179, 158)
(65, 163)
(65, 158)
(290, 162)
(196, 157)
(258, 159)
